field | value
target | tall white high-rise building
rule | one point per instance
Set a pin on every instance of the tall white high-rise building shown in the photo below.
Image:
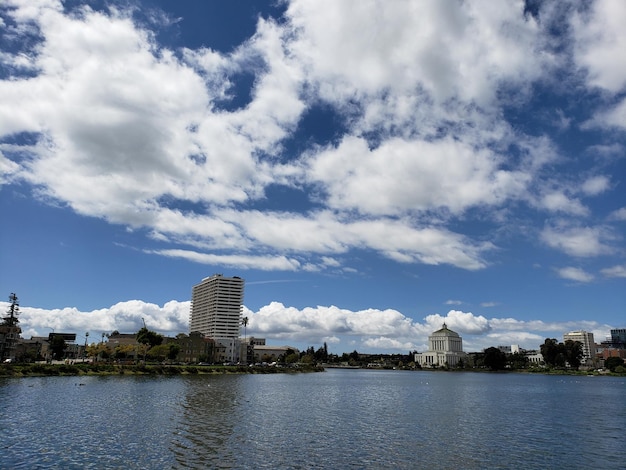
(216, 306)
(589, 346)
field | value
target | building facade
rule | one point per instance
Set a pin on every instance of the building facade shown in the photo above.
(445, 348)
(586, 340)
(216, 306)
(618, 338)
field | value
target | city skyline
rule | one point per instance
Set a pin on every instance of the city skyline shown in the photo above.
(370, 169)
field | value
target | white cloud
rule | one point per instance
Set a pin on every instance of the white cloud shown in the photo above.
(325, 232)
(126, 317)
(619, 214)
(453, 302)
(461, 322)
(8, 168)
(408, 176)
(449, 49)
(600, 38)
(615, 271)
(128, 129)
(596, 185)
(606, 152)
(559, 202)
(578, 241)
(614, 116)
(263, 263)
(369, 330)
(574, 274)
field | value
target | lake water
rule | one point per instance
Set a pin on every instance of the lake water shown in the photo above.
(338, 419)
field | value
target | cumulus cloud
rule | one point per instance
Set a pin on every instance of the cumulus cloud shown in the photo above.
(578, 241)
(619, 214)
(126, 317)
(462, 49)
(129, 131)
(368, 330)
(462, 322)
(599, 38)
(412, 175)
(574, 274)
(561, 202)
(596, 185)
(8, 169)
(615, 271)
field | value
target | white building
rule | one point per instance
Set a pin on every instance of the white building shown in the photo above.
(216, 306)
(589, 346)
(445, 348)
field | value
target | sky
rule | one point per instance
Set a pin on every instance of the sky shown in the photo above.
(370, 168)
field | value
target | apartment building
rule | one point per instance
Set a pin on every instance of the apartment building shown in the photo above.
(216, 306)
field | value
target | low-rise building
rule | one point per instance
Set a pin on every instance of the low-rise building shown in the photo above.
(195, 347)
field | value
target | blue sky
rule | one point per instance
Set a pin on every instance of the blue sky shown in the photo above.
(371, 169)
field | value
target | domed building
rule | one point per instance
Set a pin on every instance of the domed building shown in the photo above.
(445, 348)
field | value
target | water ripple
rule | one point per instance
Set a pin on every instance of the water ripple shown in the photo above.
(338, 419)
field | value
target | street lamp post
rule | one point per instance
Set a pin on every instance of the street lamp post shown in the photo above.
(85, 350)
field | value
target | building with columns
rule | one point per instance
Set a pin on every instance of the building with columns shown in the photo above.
(445, 348)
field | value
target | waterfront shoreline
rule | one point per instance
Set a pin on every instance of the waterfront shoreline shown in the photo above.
(89, 369)
(104, 369)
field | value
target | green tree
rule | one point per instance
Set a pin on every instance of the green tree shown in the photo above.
(12, 313)
(173, 352)
(159, 352)
(307, 359)
(573, 351)
(149, 337)
(612, 363)
(550, 351)
(99, 350)
(11, 330)
(122, 351)
(57, 346)
(494, 359)
(321, 354)
(517, 361)
(291, 358)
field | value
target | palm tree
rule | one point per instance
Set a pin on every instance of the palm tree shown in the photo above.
(244, 322)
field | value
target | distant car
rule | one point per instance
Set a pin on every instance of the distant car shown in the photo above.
(8, 361)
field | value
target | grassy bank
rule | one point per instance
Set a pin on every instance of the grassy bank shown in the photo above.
(40, 370)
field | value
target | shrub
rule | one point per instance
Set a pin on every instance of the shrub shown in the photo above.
(68, 369)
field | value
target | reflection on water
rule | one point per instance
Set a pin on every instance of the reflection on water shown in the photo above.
(336, 419)
(204, 436)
